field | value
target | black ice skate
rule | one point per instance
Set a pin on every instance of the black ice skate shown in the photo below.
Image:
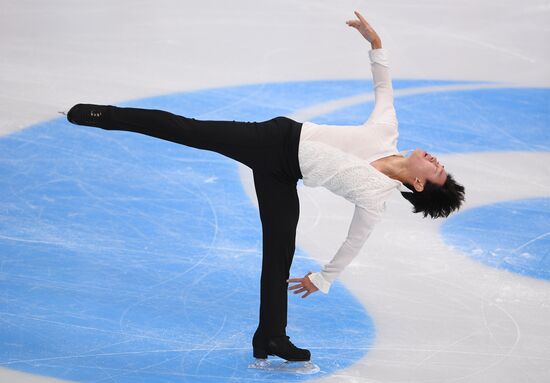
(283, 348)
(297, 360)
(90, 115)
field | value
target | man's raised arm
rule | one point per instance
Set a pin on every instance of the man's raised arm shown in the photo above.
(384, 111)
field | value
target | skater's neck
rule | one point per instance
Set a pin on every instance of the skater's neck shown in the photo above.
(394, 166)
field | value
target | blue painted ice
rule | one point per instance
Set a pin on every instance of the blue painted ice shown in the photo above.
(512, 235)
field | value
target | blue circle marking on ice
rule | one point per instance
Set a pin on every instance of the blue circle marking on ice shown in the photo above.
(512, 235)
(117, 250)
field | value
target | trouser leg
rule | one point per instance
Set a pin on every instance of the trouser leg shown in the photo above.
(279, 212)
(241, 141)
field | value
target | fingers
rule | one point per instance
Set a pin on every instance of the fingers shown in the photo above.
(301, 290)
(304, 289)
(359, 23)
(302, 285)
(360, 17)
(297, 286)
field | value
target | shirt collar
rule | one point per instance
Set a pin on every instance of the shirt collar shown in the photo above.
(402, 188)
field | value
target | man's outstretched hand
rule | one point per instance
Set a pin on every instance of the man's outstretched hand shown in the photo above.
(366, 30)
(302, 285)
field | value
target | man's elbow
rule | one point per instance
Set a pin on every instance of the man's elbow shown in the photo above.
(386, 115)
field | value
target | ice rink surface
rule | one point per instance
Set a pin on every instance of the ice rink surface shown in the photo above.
(129, 259)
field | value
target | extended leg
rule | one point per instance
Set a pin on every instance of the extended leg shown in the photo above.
(246, 142)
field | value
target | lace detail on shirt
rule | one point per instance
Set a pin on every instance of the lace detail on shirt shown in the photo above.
(345, 175)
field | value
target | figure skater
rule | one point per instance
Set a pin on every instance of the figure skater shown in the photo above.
(360, 163)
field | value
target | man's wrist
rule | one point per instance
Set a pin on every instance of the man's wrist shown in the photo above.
(319, 282)
(376, 44)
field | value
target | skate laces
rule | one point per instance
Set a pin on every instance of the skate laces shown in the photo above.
(291, 345)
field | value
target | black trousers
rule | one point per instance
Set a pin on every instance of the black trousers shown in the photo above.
(270, 149)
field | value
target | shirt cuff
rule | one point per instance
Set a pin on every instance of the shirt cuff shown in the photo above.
(379, 56)
(319, 282)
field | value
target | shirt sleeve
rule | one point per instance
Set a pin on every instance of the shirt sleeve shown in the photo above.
(384, 111)
(360, 229)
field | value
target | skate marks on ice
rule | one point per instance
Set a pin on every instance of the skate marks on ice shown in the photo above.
(280, 365)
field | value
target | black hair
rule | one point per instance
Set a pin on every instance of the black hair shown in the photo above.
(436, 200)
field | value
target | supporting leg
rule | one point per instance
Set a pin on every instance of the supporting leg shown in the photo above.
(279, 212)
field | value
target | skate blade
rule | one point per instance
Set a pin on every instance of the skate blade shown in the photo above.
(285, 366)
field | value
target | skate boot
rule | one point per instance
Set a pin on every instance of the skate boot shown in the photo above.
(90, 115)
(296, 360)
(283, 348)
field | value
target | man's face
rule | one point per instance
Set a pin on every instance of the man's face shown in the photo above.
(427, 168)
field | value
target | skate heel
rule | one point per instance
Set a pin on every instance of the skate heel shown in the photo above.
(260, 353)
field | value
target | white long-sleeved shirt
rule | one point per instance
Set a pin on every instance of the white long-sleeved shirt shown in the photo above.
(339, 158)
